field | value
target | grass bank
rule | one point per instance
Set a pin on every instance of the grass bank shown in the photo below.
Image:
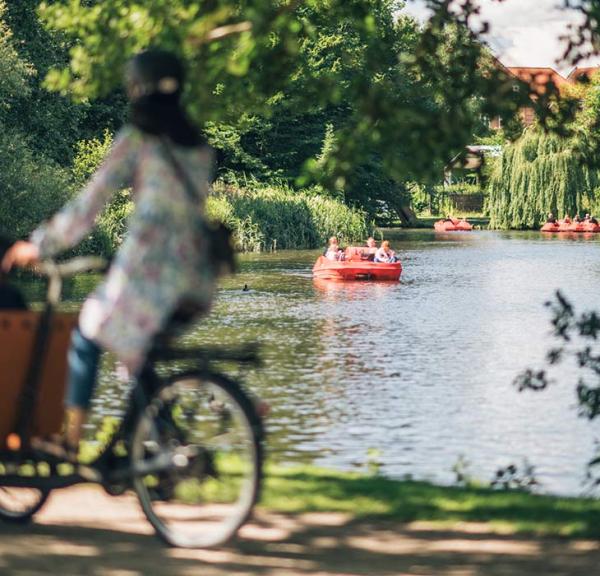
(309, 489)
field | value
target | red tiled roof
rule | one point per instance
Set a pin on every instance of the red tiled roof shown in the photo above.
(578, 73)
(538, 77)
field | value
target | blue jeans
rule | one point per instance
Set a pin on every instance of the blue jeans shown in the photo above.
(388, 261)
(83, 359)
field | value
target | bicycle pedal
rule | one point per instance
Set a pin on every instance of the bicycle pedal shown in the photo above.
(115, 489)
(88, 473)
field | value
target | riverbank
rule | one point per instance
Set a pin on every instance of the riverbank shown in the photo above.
(82, 531)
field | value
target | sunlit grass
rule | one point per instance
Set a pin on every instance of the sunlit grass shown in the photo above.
(302, 489)
(308, 489)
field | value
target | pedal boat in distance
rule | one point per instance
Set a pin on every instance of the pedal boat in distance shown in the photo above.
(562, 226)
(453, 225)
(356, 266)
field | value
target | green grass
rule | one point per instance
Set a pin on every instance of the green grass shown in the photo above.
(308, 489)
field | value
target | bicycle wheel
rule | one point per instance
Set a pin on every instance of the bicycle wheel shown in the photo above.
(18, 505)
(196, 455)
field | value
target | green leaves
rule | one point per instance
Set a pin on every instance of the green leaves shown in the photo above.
(262, 217)
(540, 173)
(401, 100)
(243, 56)
(31, 189)
(548, 172)
(14, 72)
(89, 156)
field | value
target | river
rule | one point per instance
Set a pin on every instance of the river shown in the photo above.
(415, 375)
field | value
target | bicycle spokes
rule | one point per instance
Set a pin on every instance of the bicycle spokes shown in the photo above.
(200, 451)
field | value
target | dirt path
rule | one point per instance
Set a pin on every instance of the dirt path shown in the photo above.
(81, 531)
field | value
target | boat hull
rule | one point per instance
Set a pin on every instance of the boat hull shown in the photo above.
(579, 227)
(356, 270)
(454, 226)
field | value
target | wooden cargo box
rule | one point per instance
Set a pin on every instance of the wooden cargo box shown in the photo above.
(18, 330)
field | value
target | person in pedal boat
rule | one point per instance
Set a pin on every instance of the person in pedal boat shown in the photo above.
(333, 251)
(385, 253)
(370, 249)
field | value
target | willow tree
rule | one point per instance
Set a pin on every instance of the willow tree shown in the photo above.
(548, 171)
(540, 173)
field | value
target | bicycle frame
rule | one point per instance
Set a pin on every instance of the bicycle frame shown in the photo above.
(112, 469)
(159, 443)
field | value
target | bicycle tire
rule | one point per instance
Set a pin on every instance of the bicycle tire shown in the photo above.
(178, 419)
(24, 511)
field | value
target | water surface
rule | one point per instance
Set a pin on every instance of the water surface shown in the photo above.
(413, 374)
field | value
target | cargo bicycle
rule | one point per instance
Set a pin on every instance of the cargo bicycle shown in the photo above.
(189, 443)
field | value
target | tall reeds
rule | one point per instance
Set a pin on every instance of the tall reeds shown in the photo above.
(264, 217)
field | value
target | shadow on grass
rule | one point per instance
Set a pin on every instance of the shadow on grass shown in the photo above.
(305, 489)
(294, 546)
(82, 531)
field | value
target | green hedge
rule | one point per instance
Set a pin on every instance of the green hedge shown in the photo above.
(267, 217)
(441, 200)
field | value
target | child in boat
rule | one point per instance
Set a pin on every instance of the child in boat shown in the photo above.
(567, 219)
(551, 219)
(385, 253)
(10, 297)
(333, 251)
(577, 219)
(368, 252)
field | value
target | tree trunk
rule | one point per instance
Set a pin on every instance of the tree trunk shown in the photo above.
(406, 214)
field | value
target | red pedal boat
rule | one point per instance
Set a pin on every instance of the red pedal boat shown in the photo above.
(356, 266)
(452, 225)
(562, 226)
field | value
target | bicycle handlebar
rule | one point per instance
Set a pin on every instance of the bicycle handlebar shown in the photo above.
(57, 271)
(71, 267)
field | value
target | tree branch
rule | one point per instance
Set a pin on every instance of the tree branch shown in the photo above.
(222, 32)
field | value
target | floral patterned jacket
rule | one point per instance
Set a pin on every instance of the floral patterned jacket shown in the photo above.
(160, 262)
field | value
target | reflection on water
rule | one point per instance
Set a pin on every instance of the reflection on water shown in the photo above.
(420, 369)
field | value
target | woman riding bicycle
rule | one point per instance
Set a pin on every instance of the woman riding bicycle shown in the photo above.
(161, 262)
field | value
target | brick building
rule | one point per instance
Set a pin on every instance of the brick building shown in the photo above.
(538, 79)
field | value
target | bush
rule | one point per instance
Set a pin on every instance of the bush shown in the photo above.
(264, 217)
(33, 187)
(461, 197)
(108, 234)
